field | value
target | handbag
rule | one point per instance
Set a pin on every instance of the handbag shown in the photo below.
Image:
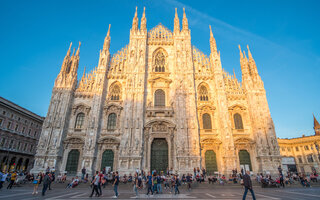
(35, 182)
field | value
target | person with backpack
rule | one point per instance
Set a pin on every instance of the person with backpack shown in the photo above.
(36, 183)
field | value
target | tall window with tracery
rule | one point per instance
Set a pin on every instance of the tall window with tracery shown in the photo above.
(159, 62)
(159, 98)
(115, 92)
(79, 121)
(203, 93)
(238, 124)
(206, 121)
(112, 121)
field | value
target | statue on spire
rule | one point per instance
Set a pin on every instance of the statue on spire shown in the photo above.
(135, 21)
(143, 25)
(184, 21)
(176, 28)
(213, 45)
(106, 44)
(316, 126)
(78, 50)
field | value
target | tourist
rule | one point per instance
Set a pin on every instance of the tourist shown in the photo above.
(159, 181)
(100, 182)
(94, 184)
(281, 180)
(116, 184)
(247, 186)
(135, 184)
(176, 185)
(74, 183)
(12, 180)
(51, 179)
(189, 181)
(83, 171)
(150, 183)
(3, 176)
(36, 183)
(46, 182)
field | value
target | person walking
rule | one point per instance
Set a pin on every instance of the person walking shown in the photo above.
(281, 180)
(116, 184)
(150, 183)
(12, 180)
(46, 182)
(3, 177)
(36, 183)
(94, 184)
(247, 186)
(135, 185)
(100, 182)
(83, 171)
(189, 180)
(176, 185)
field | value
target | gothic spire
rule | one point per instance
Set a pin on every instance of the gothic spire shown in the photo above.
(69, 50)
(184, 21)
(316, 126)
(244, 65)
(252, 63)
(213, 45)
(143, 25)
(176, 28)
(106, 44)
(135, 21)
(78, 50)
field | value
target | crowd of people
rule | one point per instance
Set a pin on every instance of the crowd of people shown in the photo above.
(152, 182)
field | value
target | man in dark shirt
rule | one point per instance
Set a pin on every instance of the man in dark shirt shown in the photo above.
(150, 183)
(115, 184)
(247, 186)
(83, 171)
(46, 181)
(189, 181)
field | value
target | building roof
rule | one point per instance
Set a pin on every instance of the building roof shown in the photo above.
(9, 104)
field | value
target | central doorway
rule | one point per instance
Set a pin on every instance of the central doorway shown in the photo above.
(159, 155)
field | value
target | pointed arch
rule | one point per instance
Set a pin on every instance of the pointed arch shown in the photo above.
(203, 92)
(159, 60)
(115, 91)
(238, 124)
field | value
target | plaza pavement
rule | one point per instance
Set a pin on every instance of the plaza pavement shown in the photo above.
(199, 191)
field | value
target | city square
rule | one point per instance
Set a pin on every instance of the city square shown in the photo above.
(170, 100)
(204, 191)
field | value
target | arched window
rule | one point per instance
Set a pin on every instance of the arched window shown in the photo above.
(112, 121)
(159, 98)
(115, 92)
(203, 93)
(237, 121)
(159, 62)
(206, 121)
(79, 121)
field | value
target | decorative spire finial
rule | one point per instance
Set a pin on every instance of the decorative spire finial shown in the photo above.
(249, 53)
(143, 25)
(184, 21)
(176, 28)
(135, 20)
(213, 45)
(69, 50)
(78, 50)
(241, 55)
(108, 34)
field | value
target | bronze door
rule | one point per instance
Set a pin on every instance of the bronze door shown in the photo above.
(159, 155)
(211, 162)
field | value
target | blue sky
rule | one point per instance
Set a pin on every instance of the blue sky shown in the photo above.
(283, 37)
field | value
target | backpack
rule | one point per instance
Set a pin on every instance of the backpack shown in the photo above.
(139, 182)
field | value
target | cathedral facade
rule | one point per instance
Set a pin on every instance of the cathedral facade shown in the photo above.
(158, 103)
